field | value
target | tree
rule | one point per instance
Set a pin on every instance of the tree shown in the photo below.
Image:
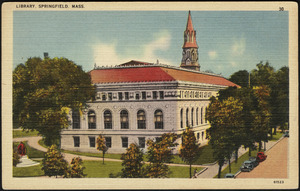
(241, 78)
(132, 162)
(54, 164)
(43, 92)
(101, 145)
(225, 119)
(160, 152)
(189, 150)
(262, 114)
(16, 157)
(76, 169)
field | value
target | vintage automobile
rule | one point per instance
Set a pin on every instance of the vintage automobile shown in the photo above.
(229, 175)
(247, 166)
(261, 156)
(254, 161)
(286, 134)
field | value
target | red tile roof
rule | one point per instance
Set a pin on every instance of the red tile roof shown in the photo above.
(154, 74)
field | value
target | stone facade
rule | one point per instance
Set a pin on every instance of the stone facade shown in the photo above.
(180, 107)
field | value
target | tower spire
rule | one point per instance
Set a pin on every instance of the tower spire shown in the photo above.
(190, 47)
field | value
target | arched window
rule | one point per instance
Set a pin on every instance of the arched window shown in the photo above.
(158, 119)
(192, 117)
(107, 119)
(75, 119)
(187, 117)
(201, 115)
(124, 119)
(92, 119)
(197, 116)
(181, 118)
(141, 119)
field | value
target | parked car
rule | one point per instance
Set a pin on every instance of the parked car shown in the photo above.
(286, 134)
(254, 161)
(229, 175)
(247, 166)
(261, 156)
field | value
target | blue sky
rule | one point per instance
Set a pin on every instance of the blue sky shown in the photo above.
(228, 40)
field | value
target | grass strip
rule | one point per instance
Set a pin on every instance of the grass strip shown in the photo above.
(235, 167)
(31, 171)
(95, 169)
(24, 133)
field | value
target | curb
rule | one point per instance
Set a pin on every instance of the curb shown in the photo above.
(203, 170)
(275, 143)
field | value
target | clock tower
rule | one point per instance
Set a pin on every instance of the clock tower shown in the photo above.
(190, 47)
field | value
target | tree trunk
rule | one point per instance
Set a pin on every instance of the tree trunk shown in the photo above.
(249, 151)
(219, 173)
(259, 146)
(103, 157)
(236, 155)
(190, 170)
(275, 130)
(229, 164)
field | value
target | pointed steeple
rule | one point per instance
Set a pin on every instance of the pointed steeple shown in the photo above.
(189, 24)
(190, 47)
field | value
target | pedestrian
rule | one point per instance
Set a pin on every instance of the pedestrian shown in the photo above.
(22, 149)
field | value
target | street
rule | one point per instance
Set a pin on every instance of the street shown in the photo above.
(275, 166)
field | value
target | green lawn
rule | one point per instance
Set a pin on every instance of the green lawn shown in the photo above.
(25, 133)
(30, 152)
(235, 167)
(95, 169)
(28, 171)
(275, 137)
(205, 157)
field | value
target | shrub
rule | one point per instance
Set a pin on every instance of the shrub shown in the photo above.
(76, 169)
(16, 157)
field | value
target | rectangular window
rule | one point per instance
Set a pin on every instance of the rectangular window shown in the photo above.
(154, 94)
(108, 141)
(126, 95)
(161, 94)
(137, 96)
(125, 142)
(109, 96)
(103, 97)
(120, 95)
(143, 95)
(142, 142)
(92, 141)
(198, 135)
(76, 141)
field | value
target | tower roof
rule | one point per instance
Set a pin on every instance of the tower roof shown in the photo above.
(189, 24)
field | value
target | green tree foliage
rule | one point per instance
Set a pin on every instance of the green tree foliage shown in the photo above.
(189, 149)
(225, 119)
(16, 157)
(262, 114)
(101, 145)
(54, 164)
(42, 92)
(241, 78)
(75, 170)
(159, 153)
(132, 162)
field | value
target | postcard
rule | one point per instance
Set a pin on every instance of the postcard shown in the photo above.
(150, 95)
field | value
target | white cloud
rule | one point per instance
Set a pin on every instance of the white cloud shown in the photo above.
(212, 55)
(233, 63)
(106, 54)
(238, 46)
